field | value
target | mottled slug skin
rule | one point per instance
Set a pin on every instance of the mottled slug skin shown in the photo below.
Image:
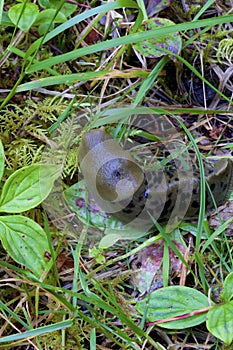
(120, 181)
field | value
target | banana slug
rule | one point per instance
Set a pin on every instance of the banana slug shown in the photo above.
(121, 188)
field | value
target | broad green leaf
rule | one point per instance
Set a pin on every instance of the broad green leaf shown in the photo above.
(23, 15)
(27, 187)
(25, 241)
(109, 240)
(5, 20)
(83, 204)
(46, 20)
(2, 160)
(91, 214)
(44, 3)
(86, 208)
(67, 9)
(220, 322)
(174, 301)
(47, 16)
(114, 235)
(228, 288)
(150, 47)
(45, 27)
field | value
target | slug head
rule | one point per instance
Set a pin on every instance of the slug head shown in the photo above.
(108, 168)
(118, 179)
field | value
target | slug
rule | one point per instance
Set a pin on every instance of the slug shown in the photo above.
(121, 188)
(111, 174)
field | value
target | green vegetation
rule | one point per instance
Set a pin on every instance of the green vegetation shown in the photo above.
(72, 278)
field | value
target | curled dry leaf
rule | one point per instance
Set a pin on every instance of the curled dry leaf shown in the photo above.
(147, 266)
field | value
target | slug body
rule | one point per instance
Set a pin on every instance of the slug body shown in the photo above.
(111, 174)
(120, 186)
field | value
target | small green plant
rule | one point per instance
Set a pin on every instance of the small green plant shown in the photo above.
(96, 310)
(179, 307)
(225, 50)
(24, 239)
(25, 15)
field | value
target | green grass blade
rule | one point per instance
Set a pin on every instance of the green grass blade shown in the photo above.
(12, 314)
(203, 9)
(38, 331)
(202, 184)
(71, 78)
(79, 18)
(149, 81)
(129, 39)
(1, 9)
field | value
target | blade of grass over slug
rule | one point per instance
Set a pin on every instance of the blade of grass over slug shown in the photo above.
(202, 184)
(122, 114)
(129, 39)
(202, 206)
